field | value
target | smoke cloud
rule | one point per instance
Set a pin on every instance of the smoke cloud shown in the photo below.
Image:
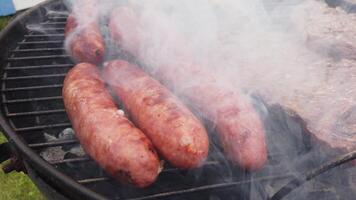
(297, 54)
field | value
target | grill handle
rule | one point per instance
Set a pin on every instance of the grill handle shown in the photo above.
(15, 162)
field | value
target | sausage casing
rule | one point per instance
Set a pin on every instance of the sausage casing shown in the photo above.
(83, 37)
(105, 134)
(175, 132)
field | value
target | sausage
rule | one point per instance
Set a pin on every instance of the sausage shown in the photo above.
(83, 37)
(175, 132)
(239, 128)
(105, 134)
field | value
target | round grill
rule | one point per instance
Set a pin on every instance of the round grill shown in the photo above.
(34, 64)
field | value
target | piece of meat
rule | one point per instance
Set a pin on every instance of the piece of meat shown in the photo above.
(83, 38)
(240, 130)
(328, 31)
(105, 134)
(329, 107)
(239, 127)
(175, 132)
(327, 103)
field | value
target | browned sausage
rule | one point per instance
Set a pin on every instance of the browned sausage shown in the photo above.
(105, 134)
(238, 125)
(175, 132)
(83, 38)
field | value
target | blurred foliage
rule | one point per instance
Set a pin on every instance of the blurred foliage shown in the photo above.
(4, 21)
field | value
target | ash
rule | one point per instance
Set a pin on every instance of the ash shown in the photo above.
(57, 153)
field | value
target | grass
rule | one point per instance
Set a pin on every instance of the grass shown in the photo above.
(3, 21)
(15, 185)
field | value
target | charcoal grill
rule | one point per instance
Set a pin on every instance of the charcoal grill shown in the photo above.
(33, 66)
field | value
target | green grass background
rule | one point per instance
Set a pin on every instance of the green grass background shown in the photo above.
(3, 21)
(16, 185)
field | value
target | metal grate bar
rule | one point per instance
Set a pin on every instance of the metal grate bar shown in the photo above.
(42, 42)
(41, 112)
(32, 99)
(57, 18)
(60, 13)
(70, 160)
(48, 29)
(32, 88)
(36, 50)
(40, 67)
(209, 187)
(37, 57)
(53, 23)
(53, 143)
(34, 76)
(46, 35)
(100, 179)
(93, 180)
(33, 128)
(207, 163)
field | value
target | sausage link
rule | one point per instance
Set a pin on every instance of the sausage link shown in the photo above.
(105, 134)
(175, 132)
(83, 37)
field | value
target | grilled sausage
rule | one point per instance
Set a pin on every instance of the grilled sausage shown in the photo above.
(238, 125)
(83, 38)
(175, 132)
(105, 134)
(239, 128)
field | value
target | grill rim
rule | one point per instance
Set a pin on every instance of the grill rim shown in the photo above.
(22, 150)
(54, 176)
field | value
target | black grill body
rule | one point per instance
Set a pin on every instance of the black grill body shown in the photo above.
(33, 65)
(35, 93)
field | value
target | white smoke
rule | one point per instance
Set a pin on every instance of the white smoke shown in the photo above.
(282, 50)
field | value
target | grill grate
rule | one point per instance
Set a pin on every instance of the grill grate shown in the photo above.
(31, 97)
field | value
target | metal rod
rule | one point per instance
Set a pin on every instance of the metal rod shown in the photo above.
(48, 29)
(40, 87)
(57, 13)
(40, 67)
(32, 99)
(300, 180)
(34, 76)
(53, 23)
(207, 163)
(38, 57)
(53, 143)
(41, 112)
(70, 160)
(36, 50)
(46, 35)
(42, 42)
(33, 128)
(92, 180)
(57, 18)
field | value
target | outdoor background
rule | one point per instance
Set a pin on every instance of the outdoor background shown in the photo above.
(16, 185)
